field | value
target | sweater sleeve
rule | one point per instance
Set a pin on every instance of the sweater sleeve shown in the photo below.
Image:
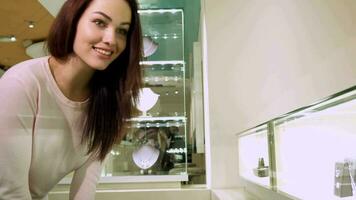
(84, 181)
(17, 115)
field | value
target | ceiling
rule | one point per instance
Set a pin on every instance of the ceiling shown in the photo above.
(14, 18)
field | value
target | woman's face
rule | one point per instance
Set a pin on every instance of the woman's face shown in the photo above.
(102, 32)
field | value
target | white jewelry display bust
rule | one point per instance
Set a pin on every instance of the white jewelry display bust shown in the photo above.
(147, 99)
(145, 156)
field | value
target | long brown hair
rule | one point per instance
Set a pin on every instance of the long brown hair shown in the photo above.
(114, 91)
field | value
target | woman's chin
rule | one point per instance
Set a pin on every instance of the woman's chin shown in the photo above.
(100, 68)
(98, 65)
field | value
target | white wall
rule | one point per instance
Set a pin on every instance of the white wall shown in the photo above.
(268, 57)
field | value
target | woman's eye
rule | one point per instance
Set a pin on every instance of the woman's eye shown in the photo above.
(122, 31)
(99, 23)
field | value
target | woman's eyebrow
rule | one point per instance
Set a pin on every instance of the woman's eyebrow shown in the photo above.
(104, 15)
(109, 18)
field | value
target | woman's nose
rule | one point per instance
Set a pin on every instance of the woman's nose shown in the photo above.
(109, 37)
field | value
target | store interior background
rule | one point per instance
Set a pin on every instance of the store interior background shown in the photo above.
(261, 59)
(267, 58)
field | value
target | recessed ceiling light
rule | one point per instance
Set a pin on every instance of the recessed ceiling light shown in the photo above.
(31, 24)
(12, 38)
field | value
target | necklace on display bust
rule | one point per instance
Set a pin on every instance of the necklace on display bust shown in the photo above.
(145, 156)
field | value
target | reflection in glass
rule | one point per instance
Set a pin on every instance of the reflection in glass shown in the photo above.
(163, 150)
(253, 156)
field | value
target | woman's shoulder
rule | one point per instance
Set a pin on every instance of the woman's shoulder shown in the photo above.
(33, 66)
(27, 73)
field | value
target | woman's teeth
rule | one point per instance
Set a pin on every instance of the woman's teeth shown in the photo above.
(104, 52)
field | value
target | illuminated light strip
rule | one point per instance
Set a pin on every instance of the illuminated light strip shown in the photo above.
(177, 150)
(173, 62)
(148, 125)
(157, 119)
(162, 79)
(149, 11)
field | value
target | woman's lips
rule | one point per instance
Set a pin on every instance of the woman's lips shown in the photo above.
(102, 51)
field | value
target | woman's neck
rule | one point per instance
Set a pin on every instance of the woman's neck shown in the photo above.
(72, 77)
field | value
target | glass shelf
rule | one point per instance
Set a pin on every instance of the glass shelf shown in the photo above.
(177, 118)
(158, 122)
(167, 62)
(165, 28)
(167, 74)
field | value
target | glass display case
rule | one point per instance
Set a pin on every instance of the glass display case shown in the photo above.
(155, 144)
(314, 151)
(253, 156)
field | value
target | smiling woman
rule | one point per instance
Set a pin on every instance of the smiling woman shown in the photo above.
(63, 113)
(101, 38)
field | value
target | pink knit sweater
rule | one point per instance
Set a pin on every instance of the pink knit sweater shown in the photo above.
(40, 134)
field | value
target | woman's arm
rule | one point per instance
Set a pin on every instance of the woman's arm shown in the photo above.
(17, 115)
(84, 181)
